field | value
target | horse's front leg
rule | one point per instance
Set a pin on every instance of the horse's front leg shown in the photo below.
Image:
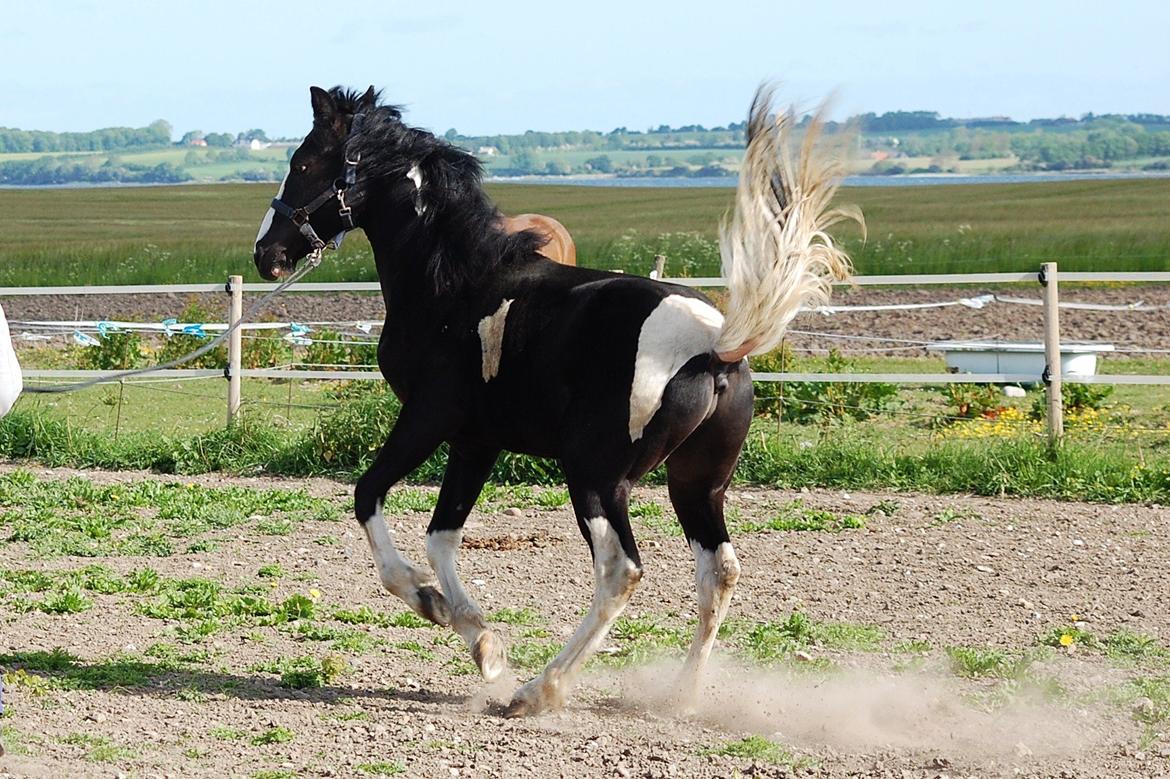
(417, 433)
(467, 470)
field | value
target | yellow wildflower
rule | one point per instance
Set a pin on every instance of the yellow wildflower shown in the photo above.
(1066, 639)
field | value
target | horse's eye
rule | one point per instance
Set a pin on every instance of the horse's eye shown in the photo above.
(302, 168)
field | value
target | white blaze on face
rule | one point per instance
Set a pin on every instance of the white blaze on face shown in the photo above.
(266, 223)
(677, 330)
(491, 339)
(11, 379)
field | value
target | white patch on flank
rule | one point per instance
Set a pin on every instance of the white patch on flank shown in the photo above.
(415, 175)
(11, 379)
(615, 576)
(397, 574)
(266, 223)
(676, 330)
(491, 339)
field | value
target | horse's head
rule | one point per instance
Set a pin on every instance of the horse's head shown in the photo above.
(318, 199)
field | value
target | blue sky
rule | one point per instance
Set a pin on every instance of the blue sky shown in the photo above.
(504, 66)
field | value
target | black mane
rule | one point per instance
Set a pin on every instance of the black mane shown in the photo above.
(460, 226)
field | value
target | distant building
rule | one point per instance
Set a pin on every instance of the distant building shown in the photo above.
(487, 151)
(196, 142)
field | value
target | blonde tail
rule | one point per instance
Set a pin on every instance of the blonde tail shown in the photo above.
(775, 250)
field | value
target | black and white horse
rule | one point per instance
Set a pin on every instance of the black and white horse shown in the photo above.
(491, 346)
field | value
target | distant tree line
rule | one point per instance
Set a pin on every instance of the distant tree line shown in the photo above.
(157, 133)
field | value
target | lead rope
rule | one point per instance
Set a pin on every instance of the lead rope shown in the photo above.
(312, 260)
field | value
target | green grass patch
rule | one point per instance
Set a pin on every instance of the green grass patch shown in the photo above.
(759, 749)
(306, 672)
(60, 669)
(509, 616)
(531, 655)
(78, 517)
(381, 768)
(986, 663)
(408, 619)
(277, 735)
(643, 639)
(100, 749)
(771, 642)
(798, 517)
(224, 733)
(362, 615)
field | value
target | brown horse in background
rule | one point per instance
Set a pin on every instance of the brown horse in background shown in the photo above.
(560, 247)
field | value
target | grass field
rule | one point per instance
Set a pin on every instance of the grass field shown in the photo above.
(203, 233)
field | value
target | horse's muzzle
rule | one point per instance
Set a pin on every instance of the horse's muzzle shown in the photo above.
(271, 262)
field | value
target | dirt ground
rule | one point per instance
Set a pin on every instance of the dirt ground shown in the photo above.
(1144, 329)
(938, 571)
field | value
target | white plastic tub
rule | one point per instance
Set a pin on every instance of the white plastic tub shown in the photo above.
(1077, 358)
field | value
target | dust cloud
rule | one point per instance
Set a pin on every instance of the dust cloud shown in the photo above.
(863, 711)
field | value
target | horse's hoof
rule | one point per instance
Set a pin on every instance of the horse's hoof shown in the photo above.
(433, 606)
(488, 654)
(521, 707)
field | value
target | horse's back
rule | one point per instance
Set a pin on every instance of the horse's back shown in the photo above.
(11, 381)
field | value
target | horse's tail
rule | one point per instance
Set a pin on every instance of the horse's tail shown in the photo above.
(775, 250)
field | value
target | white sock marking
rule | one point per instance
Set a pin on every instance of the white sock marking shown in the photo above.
(266, 223)
(442, 549)
(397, 574)
(491, 339)
(677, 329)
(615, 576)
(716, 573)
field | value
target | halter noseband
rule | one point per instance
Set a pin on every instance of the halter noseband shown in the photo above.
(300, 216)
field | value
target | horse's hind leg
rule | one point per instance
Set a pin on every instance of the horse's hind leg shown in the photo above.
(467, 470)
(604, 521)
(698, 473)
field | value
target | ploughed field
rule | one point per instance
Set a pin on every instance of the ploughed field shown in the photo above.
(215, 626)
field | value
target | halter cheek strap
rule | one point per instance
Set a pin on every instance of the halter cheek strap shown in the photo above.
(300, 216)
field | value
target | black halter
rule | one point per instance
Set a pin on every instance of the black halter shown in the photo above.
(341, 185)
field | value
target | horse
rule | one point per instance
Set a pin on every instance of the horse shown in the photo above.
(491, 346)
(11, 380)
(558, 246)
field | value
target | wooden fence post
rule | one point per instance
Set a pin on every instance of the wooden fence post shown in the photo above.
(235, 288)
(659, 266)
(1052, 377)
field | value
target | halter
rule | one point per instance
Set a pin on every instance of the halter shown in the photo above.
(300, 216)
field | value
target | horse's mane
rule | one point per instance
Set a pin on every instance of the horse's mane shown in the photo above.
(459, 224)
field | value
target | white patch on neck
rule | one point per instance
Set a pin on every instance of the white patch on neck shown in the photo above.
(415, 175)
(678, 329)
(11, 379)
(491, 339)
(266, 223)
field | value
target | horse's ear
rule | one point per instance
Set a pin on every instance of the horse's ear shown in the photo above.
(368, 100)
(324, 107)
